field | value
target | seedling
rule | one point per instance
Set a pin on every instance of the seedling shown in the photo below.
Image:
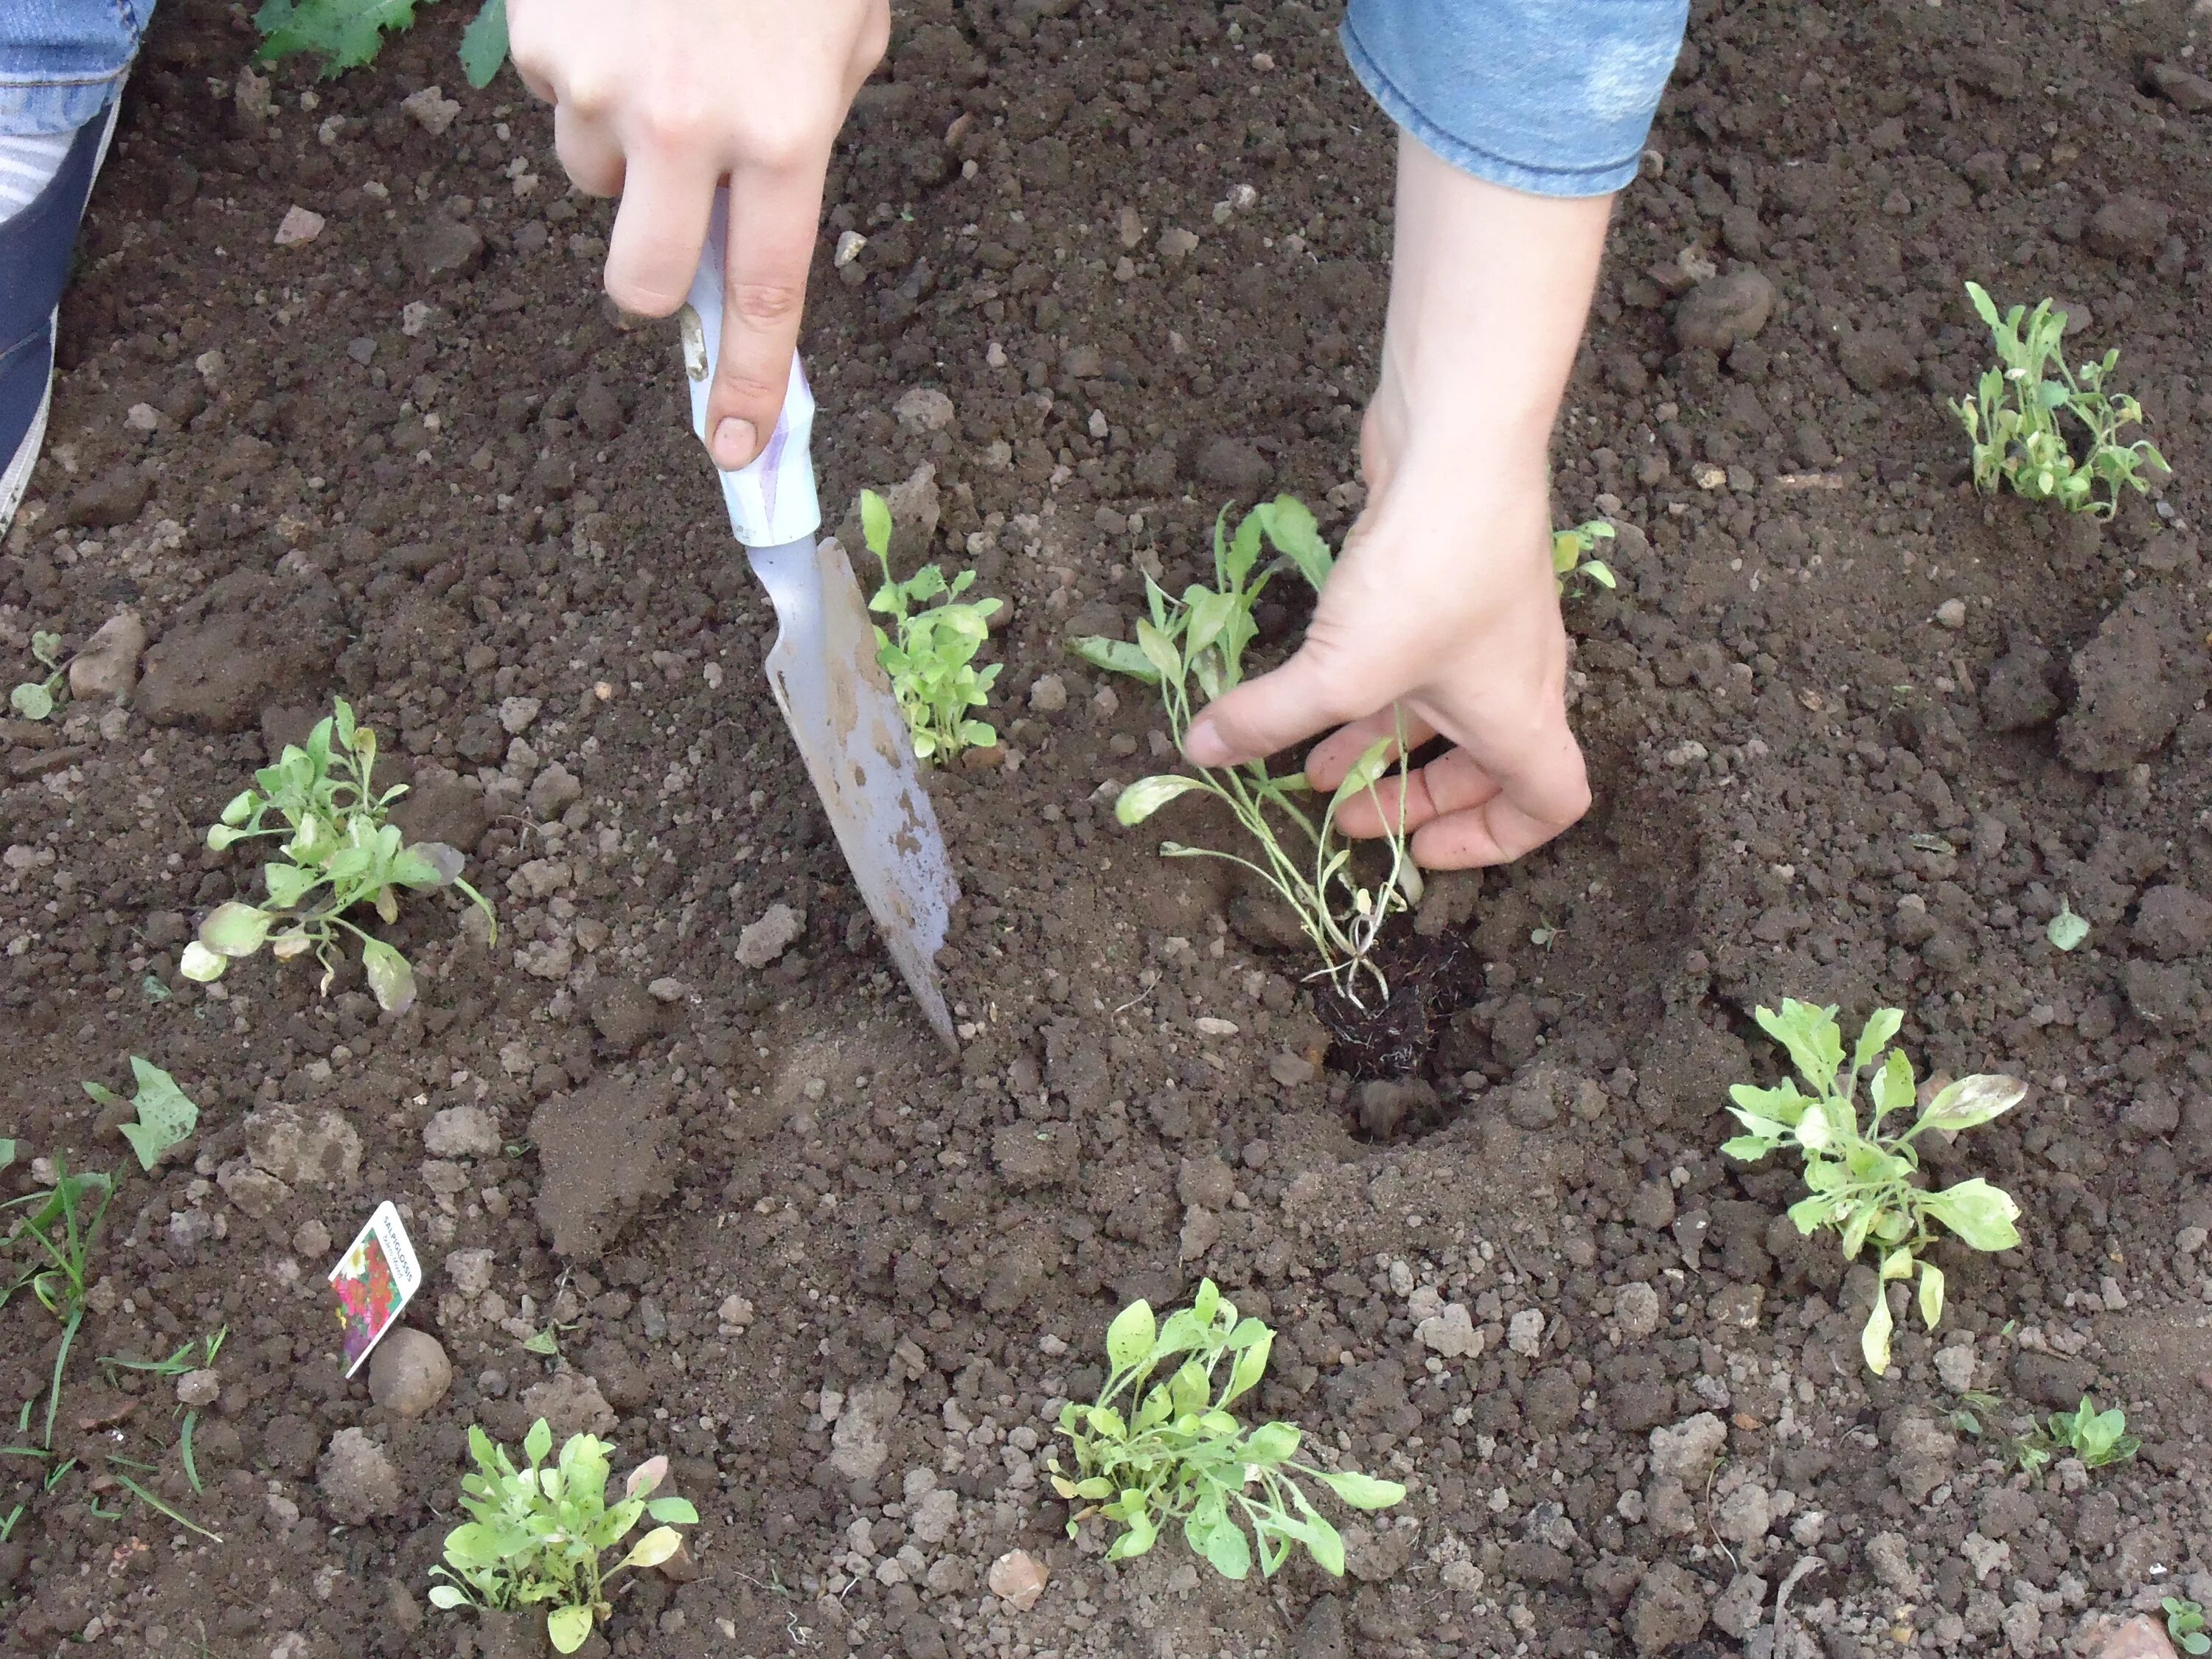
(339, 853)
(1201, 639)
(2185, 1623)
(2067, 931)
(1572, 554)
(535, 1535)
(33, 699)
(62, 1223)
(196, 1355)
(2095, 1436)
(931, 654)
(1862, 1181)
(167, 1115)
(1171, 1450)
(2012, 420)
(348, 34)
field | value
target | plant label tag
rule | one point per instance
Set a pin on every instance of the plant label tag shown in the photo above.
(374, 1280)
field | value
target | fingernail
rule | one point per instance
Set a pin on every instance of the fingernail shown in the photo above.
(1203, 746)
(733, 443)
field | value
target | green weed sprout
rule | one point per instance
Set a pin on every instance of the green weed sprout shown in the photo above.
(33, 699)
(2095, 1436)
(1171, 1450)
(1863, 1179)
(535, 1535)
(931, 661)
(339, 853)
(1201, 639)
(166, 1114)
(1572, 552)
(61, 1223)
(348, 34)
(2185, 1623)
(2012, 420)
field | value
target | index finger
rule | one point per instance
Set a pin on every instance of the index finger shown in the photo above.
(773, 215)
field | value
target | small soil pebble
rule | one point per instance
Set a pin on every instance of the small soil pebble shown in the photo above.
(108, 666)
(357, 1479)
(1719, 314)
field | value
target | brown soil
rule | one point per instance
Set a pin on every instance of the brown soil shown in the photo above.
(418, 462)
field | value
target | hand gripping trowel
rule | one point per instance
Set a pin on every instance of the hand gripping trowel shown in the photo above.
(822, 666)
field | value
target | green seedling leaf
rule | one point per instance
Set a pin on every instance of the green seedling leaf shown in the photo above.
(1931, 1294)
(1364, 1492)
(1147, 795)
(1874, 1340)
(2067, 931)
(200, 964)
(8, 1153)
(31, 700)
(391, 981)
(1982, 1216)
(345, 34)
(1129, 1339)
(235, 929)
(568, 1628)
(167, 1115)
(483, 44)
(1972, 1100)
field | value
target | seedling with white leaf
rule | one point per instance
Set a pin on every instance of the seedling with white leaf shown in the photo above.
(1159, 1450)
(1864, 1179)
(2012, 417)
(1200, 640)
(930, 652)
(535, 1535)
(338, 851)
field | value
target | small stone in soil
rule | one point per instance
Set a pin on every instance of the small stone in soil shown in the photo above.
(108, 666)
(200, 1388)
(1017, 1578)
(408, 1373)
(760, 942)
(462, 1131)
(299, 225)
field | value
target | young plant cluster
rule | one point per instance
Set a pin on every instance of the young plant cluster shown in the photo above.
(930, 650)
(1157, 1450)
(535, 1536)
(2012, 418)
(1194, 646)
(46, 1247)
(1574, 555)
(1862, 1177)
(348, 34)
(337, 852)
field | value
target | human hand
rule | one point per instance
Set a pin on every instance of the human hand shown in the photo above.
(1444, 605)
(660, 101)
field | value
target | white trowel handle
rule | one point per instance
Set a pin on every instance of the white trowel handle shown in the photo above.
(771, 501)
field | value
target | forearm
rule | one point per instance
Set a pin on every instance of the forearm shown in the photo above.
(1489, 291)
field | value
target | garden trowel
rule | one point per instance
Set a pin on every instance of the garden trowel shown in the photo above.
(822, 666)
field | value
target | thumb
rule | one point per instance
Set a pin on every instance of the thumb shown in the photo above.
(1309, 694)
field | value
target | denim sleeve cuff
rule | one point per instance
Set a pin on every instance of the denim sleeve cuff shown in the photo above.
(1551, 97)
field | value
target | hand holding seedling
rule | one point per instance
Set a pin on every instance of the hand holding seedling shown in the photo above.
(1444, 609)
(660, 102)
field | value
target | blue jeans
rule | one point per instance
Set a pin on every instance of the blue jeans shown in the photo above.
(63, 61)
(1552, 97)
